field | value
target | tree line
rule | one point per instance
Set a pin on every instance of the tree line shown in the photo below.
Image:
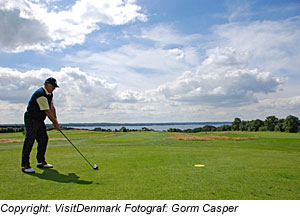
(290, 124)
(10, 129)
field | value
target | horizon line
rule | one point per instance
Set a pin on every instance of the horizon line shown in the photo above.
(124, 123)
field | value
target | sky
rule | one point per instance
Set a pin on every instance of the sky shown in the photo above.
(152, 60)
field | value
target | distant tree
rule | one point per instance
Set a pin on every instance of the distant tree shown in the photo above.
(196, 130)
(146, 129)
(254, 125)
(244, 126)
(291, 124)
(97, 129)
(209, 128)
(7, 130)
(271, 122)
(188, 130)
(4, 129)
(102, 129)
(236, 124)
(123, 129)
(224, 128)
(279, 125)
(174, 130)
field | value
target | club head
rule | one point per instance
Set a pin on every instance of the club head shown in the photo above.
(95, 167)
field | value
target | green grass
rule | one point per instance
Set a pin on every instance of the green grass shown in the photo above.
(147, 165)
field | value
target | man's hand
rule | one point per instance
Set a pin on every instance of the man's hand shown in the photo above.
(56, 125)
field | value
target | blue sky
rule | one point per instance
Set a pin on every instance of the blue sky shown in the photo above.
(152, 61)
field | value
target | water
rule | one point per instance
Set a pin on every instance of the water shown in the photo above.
(156, 127)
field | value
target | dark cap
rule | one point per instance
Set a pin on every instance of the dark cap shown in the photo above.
(51, 81)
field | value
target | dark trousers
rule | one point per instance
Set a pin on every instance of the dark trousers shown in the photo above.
(34, 130)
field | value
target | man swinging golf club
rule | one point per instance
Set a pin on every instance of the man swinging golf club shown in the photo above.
(39, 106)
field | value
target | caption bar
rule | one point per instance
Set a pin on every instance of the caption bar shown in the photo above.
(117, 208)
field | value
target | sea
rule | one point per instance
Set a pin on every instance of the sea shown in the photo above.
(137, 126)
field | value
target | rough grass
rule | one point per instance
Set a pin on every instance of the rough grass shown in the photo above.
(21, 140)
(187, 137)
(148, 165)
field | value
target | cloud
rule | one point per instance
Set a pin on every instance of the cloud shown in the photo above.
(280, 107)
(165, 34)
(139, 60)
(156, 73)
(222, 79)
(51, 28)
(78, 92)
(238, 10)
(18, 33)
(289, 104)
(82, 97)
(16, 86)
(179, 54)
(11, 113)
(204, 95)
(226, 76)
(272, 45)
(139, 67)
(130, 97)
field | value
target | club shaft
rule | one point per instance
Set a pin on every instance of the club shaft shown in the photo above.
(76, 149)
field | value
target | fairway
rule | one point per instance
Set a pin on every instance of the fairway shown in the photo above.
(151, 165)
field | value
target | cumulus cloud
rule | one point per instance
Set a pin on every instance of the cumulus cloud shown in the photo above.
(18, 33)
(52, 28)
(222, 79)
(78, 91)
(83, 97)
(130, 97)
(272, 45)
(16, 86)
(11, 113)
(289, 104)
(281, 107)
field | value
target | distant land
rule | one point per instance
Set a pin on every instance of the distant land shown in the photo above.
(105, 124)
(131, 126)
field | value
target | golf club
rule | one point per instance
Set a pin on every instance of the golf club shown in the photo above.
(95, 167)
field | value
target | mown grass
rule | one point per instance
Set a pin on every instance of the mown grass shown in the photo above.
(148, 165)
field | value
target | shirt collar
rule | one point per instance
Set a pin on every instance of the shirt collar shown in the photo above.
(47, 93)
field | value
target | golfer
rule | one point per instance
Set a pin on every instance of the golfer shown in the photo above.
(40, 105)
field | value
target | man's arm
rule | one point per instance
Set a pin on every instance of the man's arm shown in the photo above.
(52, 118)
(53, 110)
(50, 111)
